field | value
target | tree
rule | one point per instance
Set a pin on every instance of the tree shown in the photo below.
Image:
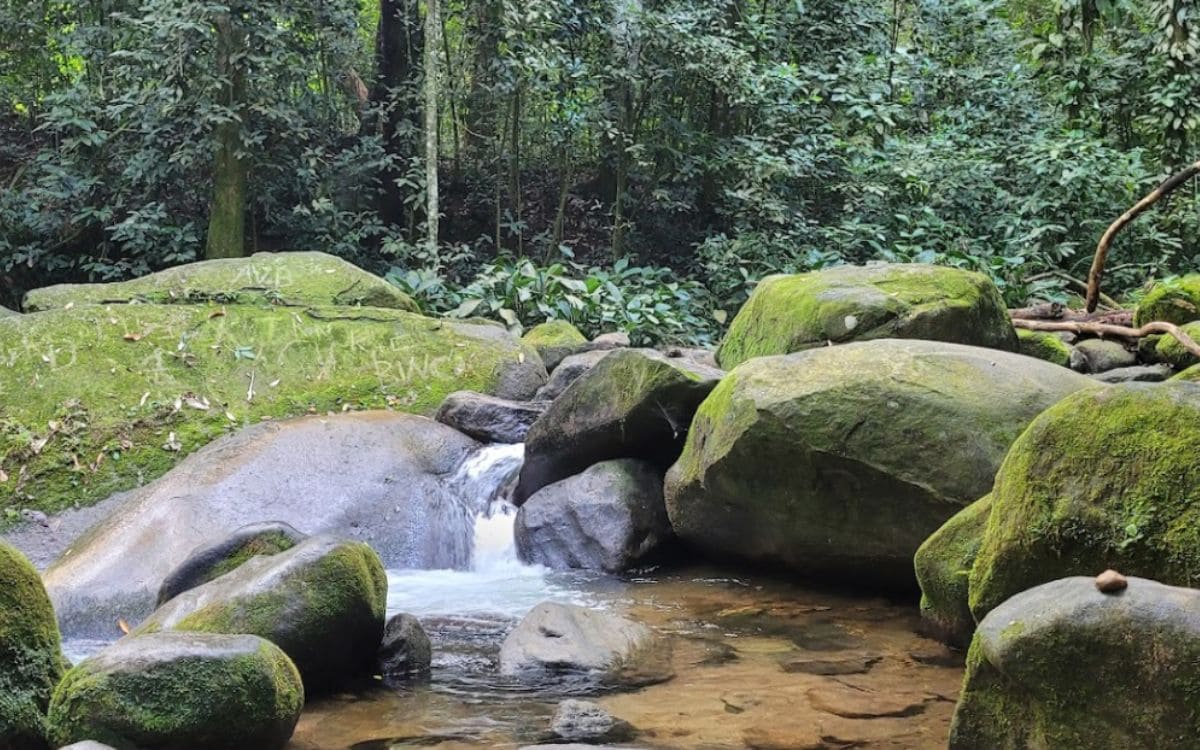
(227, 220)
(433, 48)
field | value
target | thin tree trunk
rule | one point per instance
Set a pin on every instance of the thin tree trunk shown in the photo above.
(433, 42)
(397, 50)
(227, 218)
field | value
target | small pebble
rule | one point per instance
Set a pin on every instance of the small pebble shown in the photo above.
(1111, 582)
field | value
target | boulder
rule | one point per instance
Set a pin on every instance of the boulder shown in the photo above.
(375, 476)
(210, 562)
(843, 460)
(565, 639)
(31, 662)
(943, 564)
(1169, 349)
(588, 722)
(568, 371)
(1174, 301)
(634, 403)
(490, 419)
(1101, 355)
(1044, 346)
(322, 602)
(1138, 374)
(87, 745)
(857, 303)
(6, 313)
(406, 649)
(1065, 666)
(555, 340)
(1108, 478)
(289, 279)
(610, 517)
(181, 690)
(103, 399)
(613, 340)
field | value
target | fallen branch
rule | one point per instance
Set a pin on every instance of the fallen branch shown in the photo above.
(1053, 311)
(1166, 188)
(1107, 329)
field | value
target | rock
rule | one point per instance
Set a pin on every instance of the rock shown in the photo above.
(1108, 478)
(1169, 349)
(857, 303)
(569, 640)
(375, 476)
(698, 357)
(181, 690)
(943, 564)
(406, 649)
(588, 722)
(1139, 374)
(843, 460)
(322, 602)
(1111, 582)
(830, 666)
(87, 745)
(1175, 301)
(859, 703)
(292, 279)
(210, 562)
(176, 377)
(1065, 666)
(568, 371)
(490, 419)
(554, 341)
(634, 403)
(6, 313)
(1102, 355)
(577, 746)
(31, 662)
(1044, 346)
(610, 517)
(614, 340)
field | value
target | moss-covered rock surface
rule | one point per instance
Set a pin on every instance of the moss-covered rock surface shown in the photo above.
(943, 564)
(209, 562)
(31, 660)
(1107, 478)
(1174, 300)
(845, 459)
(1044, 346)
(1064, 666)
(555, 340)
(1169, 350)
(858, 303)
(181, 690)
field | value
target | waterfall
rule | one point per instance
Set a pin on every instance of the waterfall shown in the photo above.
(483, 485)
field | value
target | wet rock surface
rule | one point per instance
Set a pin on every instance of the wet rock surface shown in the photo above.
(490, 419)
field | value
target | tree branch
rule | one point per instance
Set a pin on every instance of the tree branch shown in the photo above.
(1106, 329)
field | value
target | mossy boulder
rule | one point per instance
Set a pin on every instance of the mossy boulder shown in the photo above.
(211, 561)
(182, 691)
(1107, 478)
(1044, 346)
(858, 303)
(943, 564)
(31, 662)
(554, 341)
(265, 278)
(99, 399)
(1101, 355)
(1065, 666)
(323, 602)
(1174, 301)
(6, 313)
(1169, 349)
(843, 460)
(634, 403)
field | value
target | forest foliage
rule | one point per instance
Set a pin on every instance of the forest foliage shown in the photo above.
(634, 164)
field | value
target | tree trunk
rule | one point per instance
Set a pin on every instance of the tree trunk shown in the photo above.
(433, 43)
(227, 217)
(398, 46)
(481, 116)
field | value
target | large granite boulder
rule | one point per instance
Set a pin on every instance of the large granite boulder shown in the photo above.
(379, 477)
(568, 371)
(843, 460)
(182, 691)
(943, 564)
(610, 517)
(859, 303)
(634, 403)
(323, 602)
(100, 399)
(31, 662)
(1109, 477)
(209, 562)
(1174, 301)
(490, 419)
(555, 340)
(264, 278)
(1065, 666)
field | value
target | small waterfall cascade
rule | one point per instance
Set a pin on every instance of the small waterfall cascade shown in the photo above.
(484, 483)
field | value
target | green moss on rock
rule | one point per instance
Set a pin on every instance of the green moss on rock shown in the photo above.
(1044, 346)
(1169, 349)
(264, 278)
(1174, 301)
(6, 313)
(31, 660)
(1108, 478)
(943, 564)
(851, 303)
(554, 341)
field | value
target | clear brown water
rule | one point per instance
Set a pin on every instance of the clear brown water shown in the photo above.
(744, 650)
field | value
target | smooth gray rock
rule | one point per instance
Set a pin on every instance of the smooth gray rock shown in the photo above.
(615, 340)
(379, 477)
(568, 371)
(609, 518)
(1140, 374)
(6, 313)
(585, 721)
(86, 745)
(490, 419)
(1101, 355)
(406, 650)
(213, 561)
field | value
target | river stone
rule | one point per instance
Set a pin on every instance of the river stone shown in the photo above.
(209, 562)
(1065, 666)
(1101, 355)
(609, 518)
(613, 340)
(375, 476)
(588, 722)
(124, 392)
(568, 371)
(634, 403)
(1108, 478)
(31, 662)
(566, 639)
(263, 278)
(1044, 346)
(943, 564)
(490, 419)
(1169, 350)
(323, 602)
(406, 649)
(555, 340)
(181, 690)
(1174, 301)
(858, 303)
(1138, 374)
(843, 460)
(87, 745)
